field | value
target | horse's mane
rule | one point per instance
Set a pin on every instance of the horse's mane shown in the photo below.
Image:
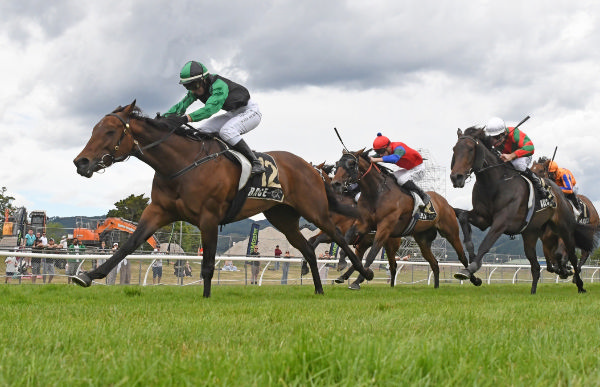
(478, 132)
(166, 124)
(384, 170)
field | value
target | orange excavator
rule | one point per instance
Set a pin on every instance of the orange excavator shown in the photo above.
(106, 230)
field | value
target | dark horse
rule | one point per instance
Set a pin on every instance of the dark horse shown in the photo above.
(388, 209)
(500, 202)
(196, 183)
(345, 224)
(590, 216)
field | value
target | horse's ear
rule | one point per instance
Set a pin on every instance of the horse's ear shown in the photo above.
(360, 152)
(459, 133)
(129, 108)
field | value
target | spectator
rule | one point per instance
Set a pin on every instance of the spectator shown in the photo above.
(277, 254)
(11, 268)
(124, 267)
(157, 267)
(36, 263)
(63, 244)
(285, 268)
(254, 266)
(229, 266)
(48, 263)
(76, 248)
(187, 269)
(44, 239)
(111, 278)
(29, 243)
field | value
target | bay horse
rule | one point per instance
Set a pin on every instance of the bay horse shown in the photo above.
(388, 209)
(195, 182)
(558, 252)
(345, 225)
(500, 202)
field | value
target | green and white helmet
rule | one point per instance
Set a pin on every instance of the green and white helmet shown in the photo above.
(192, 71)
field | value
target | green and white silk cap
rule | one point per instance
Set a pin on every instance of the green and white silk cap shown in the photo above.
(192, 71)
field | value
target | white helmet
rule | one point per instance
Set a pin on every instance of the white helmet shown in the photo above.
(495, 126)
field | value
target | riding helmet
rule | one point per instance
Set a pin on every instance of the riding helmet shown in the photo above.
(552, 166)
(495, 126)
(380, 142)
(192, 71)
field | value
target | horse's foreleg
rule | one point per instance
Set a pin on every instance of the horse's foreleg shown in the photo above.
(465, 225)
(207, 269)
(151, 220)
(496, 230)
(529, 242)
(391, 247)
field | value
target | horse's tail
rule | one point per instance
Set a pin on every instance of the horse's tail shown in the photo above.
(336, 206)
(587, 237)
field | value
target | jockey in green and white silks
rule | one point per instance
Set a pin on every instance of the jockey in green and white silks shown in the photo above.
(218, 93)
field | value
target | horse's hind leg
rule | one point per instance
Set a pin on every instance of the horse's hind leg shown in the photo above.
(210, 237)
(286, 220)
(424, 240)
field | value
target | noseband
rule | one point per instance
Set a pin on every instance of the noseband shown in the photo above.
(354, 172)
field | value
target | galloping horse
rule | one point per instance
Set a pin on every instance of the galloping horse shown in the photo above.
(500, 201)
(589, 217)
(196, 182)
(388, 209)
(345, 225)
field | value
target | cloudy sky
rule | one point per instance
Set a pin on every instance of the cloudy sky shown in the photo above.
(414, 70)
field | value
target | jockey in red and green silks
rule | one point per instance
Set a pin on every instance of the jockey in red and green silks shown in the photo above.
(516, 147)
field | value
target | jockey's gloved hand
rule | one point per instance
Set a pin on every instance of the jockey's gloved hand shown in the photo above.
(158, 116)
(180, 120)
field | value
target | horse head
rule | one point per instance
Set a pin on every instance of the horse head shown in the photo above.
(111, 142)
(540, 167)
(469, 154)
(348, 169)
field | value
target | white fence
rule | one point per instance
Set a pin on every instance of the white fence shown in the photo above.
(271, 270)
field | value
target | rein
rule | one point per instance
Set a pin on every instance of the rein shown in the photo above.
(141, 150)
(483, 167)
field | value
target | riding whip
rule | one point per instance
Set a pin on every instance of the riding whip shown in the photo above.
(522, 122)
(340, 137)
(554, 154)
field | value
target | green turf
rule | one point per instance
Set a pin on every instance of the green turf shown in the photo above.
(495, 335)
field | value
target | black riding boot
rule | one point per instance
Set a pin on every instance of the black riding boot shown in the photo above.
(243, 148)
(573, 198)
(411, 186)
(537, 185)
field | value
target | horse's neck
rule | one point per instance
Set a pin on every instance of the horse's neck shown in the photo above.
(171, 153)
(373, 182)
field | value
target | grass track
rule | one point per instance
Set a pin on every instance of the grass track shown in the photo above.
(494, 335)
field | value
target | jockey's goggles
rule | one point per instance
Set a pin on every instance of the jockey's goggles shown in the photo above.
(193, 85)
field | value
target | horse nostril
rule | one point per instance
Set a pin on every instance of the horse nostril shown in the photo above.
(81, 163)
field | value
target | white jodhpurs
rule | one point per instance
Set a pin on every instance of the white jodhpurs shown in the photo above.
(231, 125)
(416, 174)
(521, 163)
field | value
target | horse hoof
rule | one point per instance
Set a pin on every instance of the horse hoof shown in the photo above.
(342, 265)
(354, 286)
(339, 280)
(582, 290)
(82, 279)
(369, 274)
(477, 281)
(462, 275)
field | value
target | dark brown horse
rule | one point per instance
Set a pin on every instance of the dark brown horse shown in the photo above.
(196, 183)
(500, 202)
(388, 209)
(589, 217)
(347, 225)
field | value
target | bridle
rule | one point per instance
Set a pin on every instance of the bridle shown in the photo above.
(480, 164)
(126, 131)
(353, 174)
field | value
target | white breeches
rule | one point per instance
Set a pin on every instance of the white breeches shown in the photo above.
(521, 163)
(416, 174)
(231, 125)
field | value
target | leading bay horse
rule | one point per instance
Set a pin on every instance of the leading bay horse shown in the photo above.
(388, 209)
(500, 201)
(196, 183)
(590, 216)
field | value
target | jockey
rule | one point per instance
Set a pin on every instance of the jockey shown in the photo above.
(516, 147)
(566, 181)
(409, 161)
(216, 92)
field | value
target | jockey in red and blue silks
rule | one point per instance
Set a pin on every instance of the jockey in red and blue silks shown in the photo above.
(566, 181)
(408, 159)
